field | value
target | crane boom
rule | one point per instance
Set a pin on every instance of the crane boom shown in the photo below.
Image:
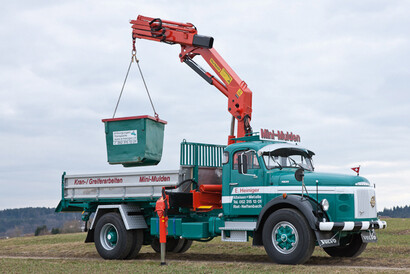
(192, 44)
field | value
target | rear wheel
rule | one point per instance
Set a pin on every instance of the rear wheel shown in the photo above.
(287, 237)
(351, 246)
(179, 245)
(112, 240)
(138, 239)
(187, 244)
(173, 245)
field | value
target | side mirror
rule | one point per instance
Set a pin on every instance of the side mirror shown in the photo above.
(299, 174)
(242, 164)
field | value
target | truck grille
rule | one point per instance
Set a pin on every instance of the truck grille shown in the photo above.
(364, 198)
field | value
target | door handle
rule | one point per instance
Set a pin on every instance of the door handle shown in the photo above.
(233, 184)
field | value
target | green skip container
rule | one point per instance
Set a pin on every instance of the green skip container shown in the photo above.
(134, 141)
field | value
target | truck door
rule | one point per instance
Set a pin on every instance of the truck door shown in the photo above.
(246, 180)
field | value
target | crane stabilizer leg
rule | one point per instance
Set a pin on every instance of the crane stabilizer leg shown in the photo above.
(161, 207)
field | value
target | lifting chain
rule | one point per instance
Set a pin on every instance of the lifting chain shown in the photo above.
(134, 58)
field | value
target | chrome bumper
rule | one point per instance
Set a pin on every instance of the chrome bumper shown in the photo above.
(351, 226)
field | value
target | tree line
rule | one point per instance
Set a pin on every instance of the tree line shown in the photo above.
(396, 212)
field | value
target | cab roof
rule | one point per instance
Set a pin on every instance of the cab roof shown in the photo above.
(279, 148)
(284, 149)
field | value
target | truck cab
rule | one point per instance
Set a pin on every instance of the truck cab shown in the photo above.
(252, 173)
(260, 180)
(267, 170)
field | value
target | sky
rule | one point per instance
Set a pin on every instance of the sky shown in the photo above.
(335, 72)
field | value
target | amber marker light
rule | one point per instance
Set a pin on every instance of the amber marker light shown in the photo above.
(284, 195)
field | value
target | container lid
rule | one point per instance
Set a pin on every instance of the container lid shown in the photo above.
(135, 118)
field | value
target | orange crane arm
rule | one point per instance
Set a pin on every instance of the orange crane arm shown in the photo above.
(193, 44)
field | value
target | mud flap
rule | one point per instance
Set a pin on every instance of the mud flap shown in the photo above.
(327, 239)
(369, 236)
(90, 236)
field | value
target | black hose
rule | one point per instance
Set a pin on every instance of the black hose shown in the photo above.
(205, 240)
(157, 28)
(187, 181)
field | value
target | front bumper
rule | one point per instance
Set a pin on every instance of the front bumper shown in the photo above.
(351, 226)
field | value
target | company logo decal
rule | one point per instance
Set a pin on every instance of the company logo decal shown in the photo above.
(373, 201)
(98, 181)
(150, 179)
(215, 65)
(369, 236)
(125, 137)
(279, 135)
(246, 190)
(328, 241)
(362, 184)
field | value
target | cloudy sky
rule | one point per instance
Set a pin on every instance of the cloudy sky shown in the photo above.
(335, 72)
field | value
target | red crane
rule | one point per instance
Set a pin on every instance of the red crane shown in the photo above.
(193, 44)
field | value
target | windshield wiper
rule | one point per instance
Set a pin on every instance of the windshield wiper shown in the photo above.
(299, 165)
(280, 166)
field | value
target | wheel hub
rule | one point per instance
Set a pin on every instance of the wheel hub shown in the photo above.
(112, 237)
(285, 237)
(109, 236)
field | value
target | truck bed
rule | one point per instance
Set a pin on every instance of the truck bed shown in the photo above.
(119, 186)
(200, 162)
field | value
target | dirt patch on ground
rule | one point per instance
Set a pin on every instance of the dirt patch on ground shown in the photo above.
(403, 232)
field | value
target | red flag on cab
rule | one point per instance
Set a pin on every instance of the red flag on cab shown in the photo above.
(356, 169)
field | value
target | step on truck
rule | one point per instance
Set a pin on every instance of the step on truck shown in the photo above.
(259, 189)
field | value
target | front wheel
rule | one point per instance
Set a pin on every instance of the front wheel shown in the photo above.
(287, 237)
(351, 247)
(112, 240)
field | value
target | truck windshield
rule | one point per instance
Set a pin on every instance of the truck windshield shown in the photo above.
(285, 160)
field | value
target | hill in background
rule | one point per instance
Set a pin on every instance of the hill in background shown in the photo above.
(22, 221)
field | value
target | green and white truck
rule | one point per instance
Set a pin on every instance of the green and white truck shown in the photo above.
(261, 199)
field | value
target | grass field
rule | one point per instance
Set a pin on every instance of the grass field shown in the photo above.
(69, 253)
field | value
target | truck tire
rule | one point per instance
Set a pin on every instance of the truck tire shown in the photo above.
(186, 245)
(112, 240)
(287, 237)
(352, 247)
(173, 245)
(170, 246)
(138, 239)
(178, 246)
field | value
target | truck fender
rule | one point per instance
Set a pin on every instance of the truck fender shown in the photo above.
(130, 215)
(291, 201)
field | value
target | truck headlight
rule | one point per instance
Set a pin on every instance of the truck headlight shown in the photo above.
(324, 204)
